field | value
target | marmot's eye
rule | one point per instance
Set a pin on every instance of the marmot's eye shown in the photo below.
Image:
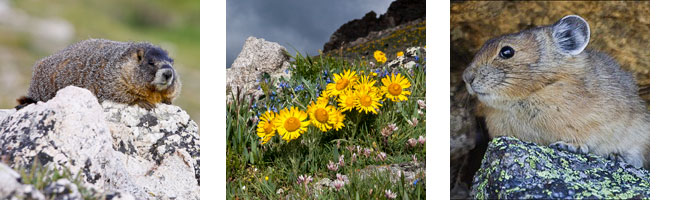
(151, 63)
(506, 52)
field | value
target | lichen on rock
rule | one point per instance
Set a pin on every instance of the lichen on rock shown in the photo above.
(513, 169)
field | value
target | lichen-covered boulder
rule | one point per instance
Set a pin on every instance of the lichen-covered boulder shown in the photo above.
(123, 151)
(513, 169)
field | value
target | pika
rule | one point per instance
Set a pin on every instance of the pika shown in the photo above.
(541, 85)
(134, 73)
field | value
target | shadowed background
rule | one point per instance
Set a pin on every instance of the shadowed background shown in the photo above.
(33, 29)
(304, 26)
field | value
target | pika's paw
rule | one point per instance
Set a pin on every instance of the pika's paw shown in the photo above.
(616, 158)
(564, 146)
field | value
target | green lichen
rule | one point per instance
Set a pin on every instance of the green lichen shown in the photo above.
(554, 174)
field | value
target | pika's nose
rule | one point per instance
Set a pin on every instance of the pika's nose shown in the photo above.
(468, 76)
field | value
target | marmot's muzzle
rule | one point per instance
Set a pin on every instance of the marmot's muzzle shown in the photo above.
(164, 78)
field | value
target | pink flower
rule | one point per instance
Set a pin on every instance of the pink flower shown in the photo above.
(342, 178)
(381, 156)
(421, 139)
(389, 129)
(421, 104)
(367, 151)
(332, 166)
(341, 160)
(412, 142)
(353, 158)
(390, 195)
(304, 179)
(415, 161)
(338, 184)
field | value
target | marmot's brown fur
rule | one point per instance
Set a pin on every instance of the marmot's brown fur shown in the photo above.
(540, 85)
(125, 72)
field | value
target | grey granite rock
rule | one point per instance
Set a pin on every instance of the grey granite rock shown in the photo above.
(118, 149)
(256, 58)
(513, 169)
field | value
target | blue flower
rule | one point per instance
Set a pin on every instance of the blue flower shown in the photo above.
(328, 80)
(416, 181)
(284, 85)
(416, 57)
(286, 71)
(298, 88)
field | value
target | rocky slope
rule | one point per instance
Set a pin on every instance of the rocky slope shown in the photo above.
(398, 13)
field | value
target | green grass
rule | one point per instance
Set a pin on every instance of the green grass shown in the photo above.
(40, 177)
(172, 24)
(248, 163)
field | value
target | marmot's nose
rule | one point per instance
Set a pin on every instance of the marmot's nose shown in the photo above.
(167, 74)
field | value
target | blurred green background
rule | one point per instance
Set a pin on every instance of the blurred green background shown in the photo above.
(33, 29)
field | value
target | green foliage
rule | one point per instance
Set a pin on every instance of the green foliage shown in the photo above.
(41, 176)
(172, 24)
(249, 162)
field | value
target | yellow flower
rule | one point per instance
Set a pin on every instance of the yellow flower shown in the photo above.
(368, 100)
(291, 122)
(365, 83)
(393, 87)
(321, 115)
(347, 100)
(266, 126)
(342, 81)
(400, 54)
(339, 122)
(380, 56)
(266, 178)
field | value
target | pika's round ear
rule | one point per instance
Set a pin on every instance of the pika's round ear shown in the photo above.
(571, 34)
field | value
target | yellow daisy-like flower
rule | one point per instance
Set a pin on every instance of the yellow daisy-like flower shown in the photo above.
(291, 122)
(322, 115)
(342, 81)
(400, 54)
(323, 98)
(393, 87)
(266, 126)
(380, 56)
(365, 82)
(347, 100)
(339, 122)
(368, 100)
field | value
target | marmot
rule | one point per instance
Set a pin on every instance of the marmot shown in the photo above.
(125, 72)
(541, 85)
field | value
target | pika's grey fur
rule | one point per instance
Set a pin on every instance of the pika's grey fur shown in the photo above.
(541, 85)
(125, 72)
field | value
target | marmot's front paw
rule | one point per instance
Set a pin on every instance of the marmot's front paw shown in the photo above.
(146, 105)
(564, 146)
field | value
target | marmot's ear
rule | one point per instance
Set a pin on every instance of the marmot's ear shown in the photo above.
(571, 34)
(138, 54)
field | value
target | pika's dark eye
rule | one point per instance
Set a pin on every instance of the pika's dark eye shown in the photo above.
(506, 52)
